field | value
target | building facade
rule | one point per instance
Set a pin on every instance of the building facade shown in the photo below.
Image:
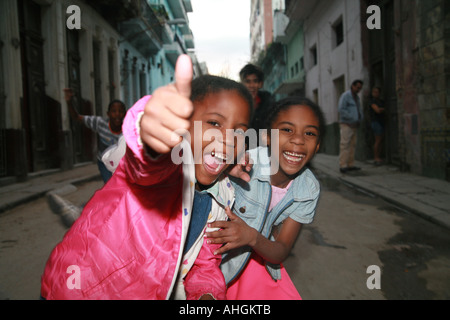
(333, 59)
(406, 55)
(409, 58)
(103, 50)
(261, 27)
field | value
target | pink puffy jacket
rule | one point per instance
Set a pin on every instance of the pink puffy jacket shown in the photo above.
(128, 242)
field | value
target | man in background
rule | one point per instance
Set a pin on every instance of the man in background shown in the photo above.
(351, 116)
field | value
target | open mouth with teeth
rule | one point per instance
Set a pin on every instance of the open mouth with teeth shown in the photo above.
(293, 157)
(214, 162)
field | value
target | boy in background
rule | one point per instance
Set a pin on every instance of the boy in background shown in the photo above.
(253, 78)
(109, 130)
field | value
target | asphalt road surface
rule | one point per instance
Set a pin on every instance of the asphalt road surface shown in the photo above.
(352, 232)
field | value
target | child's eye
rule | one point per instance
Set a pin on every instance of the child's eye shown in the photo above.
(213, 123)
(311, 134)
(286, 130)
(239, 132)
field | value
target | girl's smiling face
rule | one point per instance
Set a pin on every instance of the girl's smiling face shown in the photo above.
(221, 111)
(297, 144)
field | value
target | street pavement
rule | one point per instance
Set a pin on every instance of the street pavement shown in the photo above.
(426, 197)
(13, 195)
(429, 198)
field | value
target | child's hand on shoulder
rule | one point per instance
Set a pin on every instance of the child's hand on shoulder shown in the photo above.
(166, 115)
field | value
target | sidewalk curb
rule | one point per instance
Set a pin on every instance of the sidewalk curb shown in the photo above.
(34, 193)
(404, 203)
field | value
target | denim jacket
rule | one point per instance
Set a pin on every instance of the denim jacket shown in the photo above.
(350, 110)
(252, 202)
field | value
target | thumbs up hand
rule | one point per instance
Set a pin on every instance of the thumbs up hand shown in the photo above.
(168, 110)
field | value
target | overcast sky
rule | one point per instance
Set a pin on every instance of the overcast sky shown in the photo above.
(221, 31)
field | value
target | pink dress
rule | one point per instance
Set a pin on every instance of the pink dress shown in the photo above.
(255, 283)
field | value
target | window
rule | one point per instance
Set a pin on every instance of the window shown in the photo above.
(316, 96)
(313, 53)
(338, 32)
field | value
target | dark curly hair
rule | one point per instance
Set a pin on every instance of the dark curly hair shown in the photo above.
(117, 101)
(286, 103)
(207, 84)
(250, 69)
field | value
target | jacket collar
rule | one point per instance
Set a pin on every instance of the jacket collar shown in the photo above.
(222, 191)
(300, 189)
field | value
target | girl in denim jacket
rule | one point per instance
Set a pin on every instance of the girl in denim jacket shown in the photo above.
(269, 210)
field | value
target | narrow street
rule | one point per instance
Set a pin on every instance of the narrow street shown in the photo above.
(352, 231)
(28, 234)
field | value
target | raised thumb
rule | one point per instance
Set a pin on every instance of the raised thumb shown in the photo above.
(183, 75)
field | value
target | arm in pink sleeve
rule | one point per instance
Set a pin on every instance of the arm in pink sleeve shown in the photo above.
(140, 168)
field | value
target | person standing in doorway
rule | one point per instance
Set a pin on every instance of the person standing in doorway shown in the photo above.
(351, 116)
(376, 111)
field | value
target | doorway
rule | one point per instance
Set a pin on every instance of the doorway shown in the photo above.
(38, 112)
(383, 74)
(82, 137)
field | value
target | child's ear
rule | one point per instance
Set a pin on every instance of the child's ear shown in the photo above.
(317, 148)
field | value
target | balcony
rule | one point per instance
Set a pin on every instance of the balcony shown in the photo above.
(280, 23)
(189, 41)
(179, 9)
(116, 11)
(174, 49)
(299, 9)
(146, 30)
(291, 86)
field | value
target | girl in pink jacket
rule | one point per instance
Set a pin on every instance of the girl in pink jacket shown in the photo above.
(134, 239)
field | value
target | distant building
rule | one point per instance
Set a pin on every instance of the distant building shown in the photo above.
(123, 50)
(289, 33)
(261, 27)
